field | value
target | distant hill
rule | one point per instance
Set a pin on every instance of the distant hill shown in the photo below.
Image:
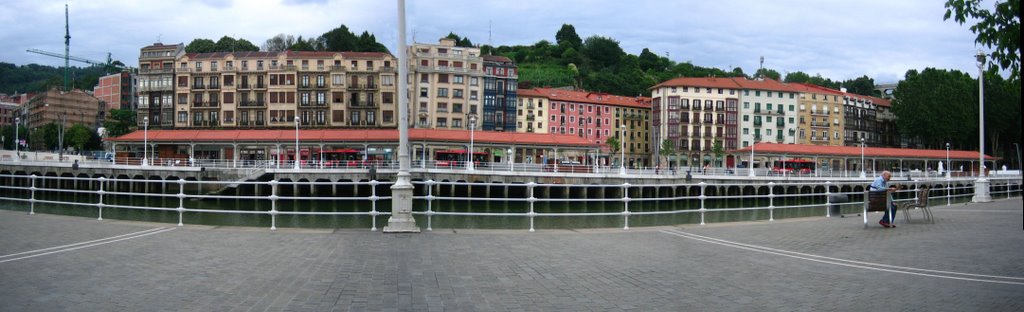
(38, 78)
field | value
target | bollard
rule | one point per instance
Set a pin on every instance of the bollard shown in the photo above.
(828, 199)
(273, 204)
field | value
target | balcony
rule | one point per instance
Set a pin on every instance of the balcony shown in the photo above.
(530, 117)
(244, 86)
(757, 110)
(447, 69)
(157, 71)
(279, 68)
(364, 86)
(198, 87)
(467, 57)
(155, 88)
(819, 112)
(214, 87)
(336, 68)
(757, 122)
(261, 86)
(780, 123)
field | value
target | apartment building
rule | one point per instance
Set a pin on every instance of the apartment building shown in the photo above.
(888, 134)
(768, 110)
(117, 91)
(691, 114)
(447, 87)
(530, 111)
(861, 114)
(820, 115)
(593, 116)
(156, 84)
(500, 84)
(272, 89)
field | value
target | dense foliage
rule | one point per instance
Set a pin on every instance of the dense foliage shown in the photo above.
(39, 78)
(999, 29)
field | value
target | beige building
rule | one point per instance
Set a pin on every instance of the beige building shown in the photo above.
(447, 85)
(820, 114)
(271, 89)
(692, 114)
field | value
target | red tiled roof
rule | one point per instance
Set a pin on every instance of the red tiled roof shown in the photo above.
(352, 135)
(291, 53)
(764, 84)
(809, 88)
(497, 58)
(586, 97)
(704, 82)
(854, 151)
(241, 54)
(365, 54)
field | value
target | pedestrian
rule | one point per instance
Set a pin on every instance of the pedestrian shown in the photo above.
(881, 184)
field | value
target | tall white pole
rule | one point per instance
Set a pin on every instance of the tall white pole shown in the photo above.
(297, 154)
(469, 158)
(981, 194)
(145, 141)
(17, 138)
(622, 149)
(401, 219)
(751, 171)
(949, 166)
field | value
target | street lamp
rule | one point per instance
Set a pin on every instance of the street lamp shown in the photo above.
(145, 140)
(60, 134)
(862, 174)
(472, 129)
(297, 155)
(948, 165)
(981, 186)
(1017, 148)
(17, 138)
(622, 149)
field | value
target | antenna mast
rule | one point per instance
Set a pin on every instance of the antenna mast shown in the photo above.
(67, 47)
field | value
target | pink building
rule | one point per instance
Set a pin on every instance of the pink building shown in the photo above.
(115, 90)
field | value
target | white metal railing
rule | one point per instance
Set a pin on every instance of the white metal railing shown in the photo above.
(27, 189)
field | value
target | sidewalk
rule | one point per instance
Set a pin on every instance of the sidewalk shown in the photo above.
(970, 259)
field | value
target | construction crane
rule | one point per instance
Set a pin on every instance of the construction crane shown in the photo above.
(67, 57)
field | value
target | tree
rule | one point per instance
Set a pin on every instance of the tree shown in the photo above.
(201, 45)
(863, 85)
(999, 29)
(120, 122)
(278, 43)
(718, 150)
(937, 106)
(648, 60)
(77, 136)
(668, 147)
(768, 73)
(567, 35)
(798, 77)
(613, 143)
(302, 45)
(601, 52)
(245, 45)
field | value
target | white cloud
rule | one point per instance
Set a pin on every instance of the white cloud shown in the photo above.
(839, 40)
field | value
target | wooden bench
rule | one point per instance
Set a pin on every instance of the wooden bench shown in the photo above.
(920, 202)
(875, 201)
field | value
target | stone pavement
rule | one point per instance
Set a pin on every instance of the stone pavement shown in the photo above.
(916, 267)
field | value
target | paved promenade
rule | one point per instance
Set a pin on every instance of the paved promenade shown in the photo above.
(971, 259)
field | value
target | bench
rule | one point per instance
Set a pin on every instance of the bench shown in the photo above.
(920, 202)
(875, 201)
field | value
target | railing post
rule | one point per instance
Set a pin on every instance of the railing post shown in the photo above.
(373, 203)
(702, 198)
(100, 203)
(949, 185)
(625, 205)
(531, 200)
(865, 214)
(430, 203)
(181, 201)
(828, 199)
(273, 204)
(32, 200)
(771, 201)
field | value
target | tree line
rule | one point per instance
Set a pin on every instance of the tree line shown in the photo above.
(339, 39)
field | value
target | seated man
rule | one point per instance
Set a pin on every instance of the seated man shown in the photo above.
(881, 184)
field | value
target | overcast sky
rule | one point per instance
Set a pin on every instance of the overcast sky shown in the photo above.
(837, 39)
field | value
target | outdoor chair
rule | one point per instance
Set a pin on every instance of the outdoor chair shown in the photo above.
(920, 202)
(875, 201)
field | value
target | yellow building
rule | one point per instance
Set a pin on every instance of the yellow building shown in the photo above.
(820, 114)
(446, 85)
(530, 110)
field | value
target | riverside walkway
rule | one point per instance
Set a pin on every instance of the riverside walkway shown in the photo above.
(971, 258)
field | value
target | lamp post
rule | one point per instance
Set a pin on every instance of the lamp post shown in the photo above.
(145, 140)
(401, 220)
(622, 149)
(17, 138)
(472, 129)
(1017, 148)
(862, 173)
(981, 186)
(948, 165)
(60, 134)
(297, 155)
(511, 160)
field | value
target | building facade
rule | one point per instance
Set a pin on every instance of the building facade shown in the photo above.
(447, 86)
(272, 89)
(861, 114)
(530, 111)
(769, 112)
(689, 115)
(500, 85)
(156, 84)
(888, 134)
(820, 115)
(117, 91)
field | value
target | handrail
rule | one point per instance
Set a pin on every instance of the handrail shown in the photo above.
(780, 196)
